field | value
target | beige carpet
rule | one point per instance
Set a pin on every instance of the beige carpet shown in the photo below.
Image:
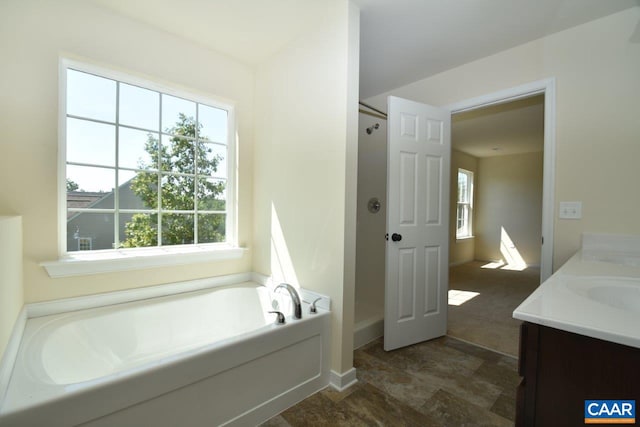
(486, 319)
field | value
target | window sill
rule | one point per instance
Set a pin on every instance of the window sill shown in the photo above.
(458, 239)
(98, 262)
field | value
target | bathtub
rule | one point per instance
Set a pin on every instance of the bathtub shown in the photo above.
(207, 357)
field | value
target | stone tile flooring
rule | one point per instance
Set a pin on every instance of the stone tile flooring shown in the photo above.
(443, 382)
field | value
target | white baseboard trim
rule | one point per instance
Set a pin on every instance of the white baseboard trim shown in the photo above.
(341, 382)
(366, 333)
(11, 352)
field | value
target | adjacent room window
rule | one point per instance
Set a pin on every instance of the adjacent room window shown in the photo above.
(465, 204)
(144, 166)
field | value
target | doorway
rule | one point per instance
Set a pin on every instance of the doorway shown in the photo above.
(495, 219)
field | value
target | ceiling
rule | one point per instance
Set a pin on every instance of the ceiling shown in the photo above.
(247, 30)
(500, 130)
(401, 40)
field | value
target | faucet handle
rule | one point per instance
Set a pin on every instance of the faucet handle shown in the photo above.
(280, 320)
(313, 308)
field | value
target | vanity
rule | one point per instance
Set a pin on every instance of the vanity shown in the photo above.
(580, 337)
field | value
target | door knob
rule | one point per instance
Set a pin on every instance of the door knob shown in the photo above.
(396, 237)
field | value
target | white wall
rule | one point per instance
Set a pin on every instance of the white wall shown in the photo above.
(306, 141)
(33, 35)
(596, 67)
(11, 292)
(461, 251)
(509, 197)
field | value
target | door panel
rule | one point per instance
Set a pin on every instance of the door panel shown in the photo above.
(419, 155)
(408, 196)
(406, 283)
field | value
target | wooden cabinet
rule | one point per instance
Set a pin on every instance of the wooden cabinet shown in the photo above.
(561, 370)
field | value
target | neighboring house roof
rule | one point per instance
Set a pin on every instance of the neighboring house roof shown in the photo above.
(82, 199)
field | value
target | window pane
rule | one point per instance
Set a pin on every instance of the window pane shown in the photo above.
(212, 160)
(213, 123)
(178, 192)
(98, 180)
(177, 229)
(211, 228)
(462, 187)
(177, 154)
(91, 96)
(137, 149)
(212, 194)
(178, 115)
(138, 190)
(86, 229)
(90, 142)
(138, 230)
(139, 107)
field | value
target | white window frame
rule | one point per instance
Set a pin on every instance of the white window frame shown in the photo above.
(469, 205)
(100, 261)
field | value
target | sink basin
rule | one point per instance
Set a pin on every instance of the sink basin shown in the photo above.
(620, 293)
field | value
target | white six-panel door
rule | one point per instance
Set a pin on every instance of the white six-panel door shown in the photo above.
(418, 165)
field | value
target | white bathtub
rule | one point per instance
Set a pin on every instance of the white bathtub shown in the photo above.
(209, 357)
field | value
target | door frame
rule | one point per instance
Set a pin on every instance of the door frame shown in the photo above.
(548, 88)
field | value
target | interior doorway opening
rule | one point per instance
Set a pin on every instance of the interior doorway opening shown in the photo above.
(495, 219)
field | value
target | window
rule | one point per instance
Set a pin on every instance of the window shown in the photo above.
(465, 204)
(84, 243)
(144, 166)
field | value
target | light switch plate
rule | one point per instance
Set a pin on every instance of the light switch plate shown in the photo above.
(570, 210)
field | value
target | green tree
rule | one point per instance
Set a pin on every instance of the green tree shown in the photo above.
(176, 162)
(72, 185)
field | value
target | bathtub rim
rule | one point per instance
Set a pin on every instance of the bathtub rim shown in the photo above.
(65, 305)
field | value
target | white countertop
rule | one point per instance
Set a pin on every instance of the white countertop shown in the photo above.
(592, 298)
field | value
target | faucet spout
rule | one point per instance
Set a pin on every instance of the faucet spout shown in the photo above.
(295, 299)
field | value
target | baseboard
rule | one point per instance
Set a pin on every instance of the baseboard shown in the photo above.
(11, 352)
(457, 263)
(367, 332)
(342, 382)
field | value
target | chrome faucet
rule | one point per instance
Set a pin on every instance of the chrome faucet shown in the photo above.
(295, 299)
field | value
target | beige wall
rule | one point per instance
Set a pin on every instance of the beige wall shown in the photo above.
(461, 251)
(509, 197)
(305, 164)
(33, 35)
(11, 292)
(596, 67)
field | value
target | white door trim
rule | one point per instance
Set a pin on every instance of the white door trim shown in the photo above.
(548, 88)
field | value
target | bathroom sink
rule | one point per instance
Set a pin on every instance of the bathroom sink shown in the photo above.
(617, 292)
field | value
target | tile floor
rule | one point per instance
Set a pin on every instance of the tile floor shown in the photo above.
(443, 382)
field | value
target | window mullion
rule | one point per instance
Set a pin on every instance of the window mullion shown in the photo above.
(196, 152)
(159, 166)
(116, 190)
